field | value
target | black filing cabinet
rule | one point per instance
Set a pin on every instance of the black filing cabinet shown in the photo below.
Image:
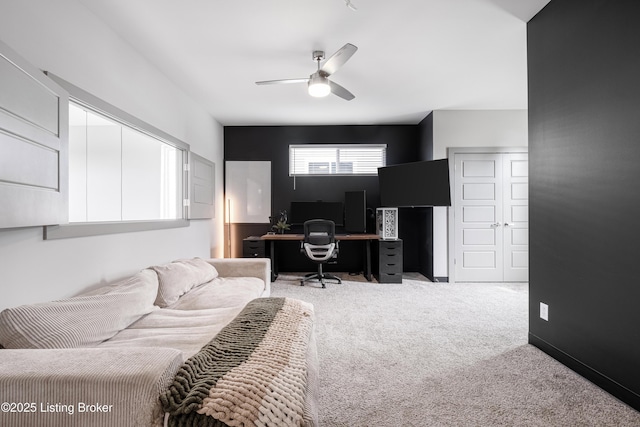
(388, 256)
(253, 247)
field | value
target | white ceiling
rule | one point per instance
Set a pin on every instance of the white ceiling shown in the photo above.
(414, 56)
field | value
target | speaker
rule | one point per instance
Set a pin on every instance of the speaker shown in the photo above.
(355, 211)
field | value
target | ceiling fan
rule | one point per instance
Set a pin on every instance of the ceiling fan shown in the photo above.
(318, 83)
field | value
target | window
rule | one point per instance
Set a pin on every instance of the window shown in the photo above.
(336, 159)
(124, 174)
(119, 173)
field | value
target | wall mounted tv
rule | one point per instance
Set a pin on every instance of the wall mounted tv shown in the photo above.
(415, 184)
(303, 211)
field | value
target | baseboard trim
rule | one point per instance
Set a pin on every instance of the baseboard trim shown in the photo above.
(612, 387)
(441, 279)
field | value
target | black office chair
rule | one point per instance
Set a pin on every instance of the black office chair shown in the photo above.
(319, 245)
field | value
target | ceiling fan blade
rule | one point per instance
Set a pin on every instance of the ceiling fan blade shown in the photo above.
(284, 81)
(338, 90)
(336, 60)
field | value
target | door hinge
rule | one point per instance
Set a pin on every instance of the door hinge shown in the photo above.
(186, 203)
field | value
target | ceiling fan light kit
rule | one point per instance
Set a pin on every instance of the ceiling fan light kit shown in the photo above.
(318, 83)
(319, 86)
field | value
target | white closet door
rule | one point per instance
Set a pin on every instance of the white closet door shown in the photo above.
(478, 213)
(491, 217)
(516, 217)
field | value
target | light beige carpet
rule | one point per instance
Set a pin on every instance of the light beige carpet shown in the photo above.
(439, 354)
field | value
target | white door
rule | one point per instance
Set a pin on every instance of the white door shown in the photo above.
(516, 217)
(490, 217)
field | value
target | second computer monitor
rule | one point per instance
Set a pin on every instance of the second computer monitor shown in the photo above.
(304, 211)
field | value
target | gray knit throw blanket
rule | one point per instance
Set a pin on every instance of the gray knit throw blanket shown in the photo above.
(253, 373)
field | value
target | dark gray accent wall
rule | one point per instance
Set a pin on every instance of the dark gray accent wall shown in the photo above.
(584, 145)
(405, 143)
(272, 143)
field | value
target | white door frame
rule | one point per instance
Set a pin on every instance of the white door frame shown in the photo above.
(451, 152)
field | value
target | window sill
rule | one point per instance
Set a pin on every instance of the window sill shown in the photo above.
(52, 232)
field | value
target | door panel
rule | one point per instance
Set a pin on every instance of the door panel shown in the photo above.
(478, 237)
(519, 236)
(516, 220)
(519, 214)
(479, 214)
(478, 188)
(477, 169)
(479, 260)
(479, 191)
(520, 191)
(520, 166)
(520, 259)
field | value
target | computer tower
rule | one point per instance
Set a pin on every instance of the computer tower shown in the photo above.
(387, 223)
(355, 211)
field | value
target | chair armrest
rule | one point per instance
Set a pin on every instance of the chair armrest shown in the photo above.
(245, 267)
(85, 386)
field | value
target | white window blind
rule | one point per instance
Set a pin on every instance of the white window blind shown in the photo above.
(336, 159)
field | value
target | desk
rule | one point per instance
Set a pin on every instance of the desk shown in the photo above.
(273, 238)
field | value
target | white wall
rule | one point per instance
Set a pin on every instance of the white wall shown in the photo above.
(463, 128)
(65, 38)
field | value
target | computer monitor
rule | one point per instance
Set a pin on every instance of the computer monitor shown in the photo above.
(304, 211)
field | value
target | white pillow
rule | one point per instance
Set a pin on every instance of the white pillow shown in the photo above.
(82, 321)
(179, 277)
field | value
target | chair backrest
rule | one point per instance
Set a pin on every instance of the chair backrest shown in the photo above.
(319, 231)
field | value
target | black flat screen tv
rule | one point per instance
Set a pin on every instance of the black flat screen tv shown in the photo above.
(304, 211)
(415, 184)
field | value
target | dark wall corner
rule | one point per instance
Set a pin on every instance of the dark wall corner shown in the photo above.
(425, 133)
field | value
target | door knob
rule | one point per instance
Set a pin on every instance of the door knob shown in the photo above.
(506, 224)
(497, 224)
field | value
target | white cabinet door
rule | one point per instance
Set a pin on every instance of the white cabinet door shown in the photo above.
(202, 187)
(34, 127)
(490, 217)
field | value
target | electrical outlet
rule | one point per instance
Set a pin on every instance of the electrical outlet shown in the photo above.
(544, 311)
